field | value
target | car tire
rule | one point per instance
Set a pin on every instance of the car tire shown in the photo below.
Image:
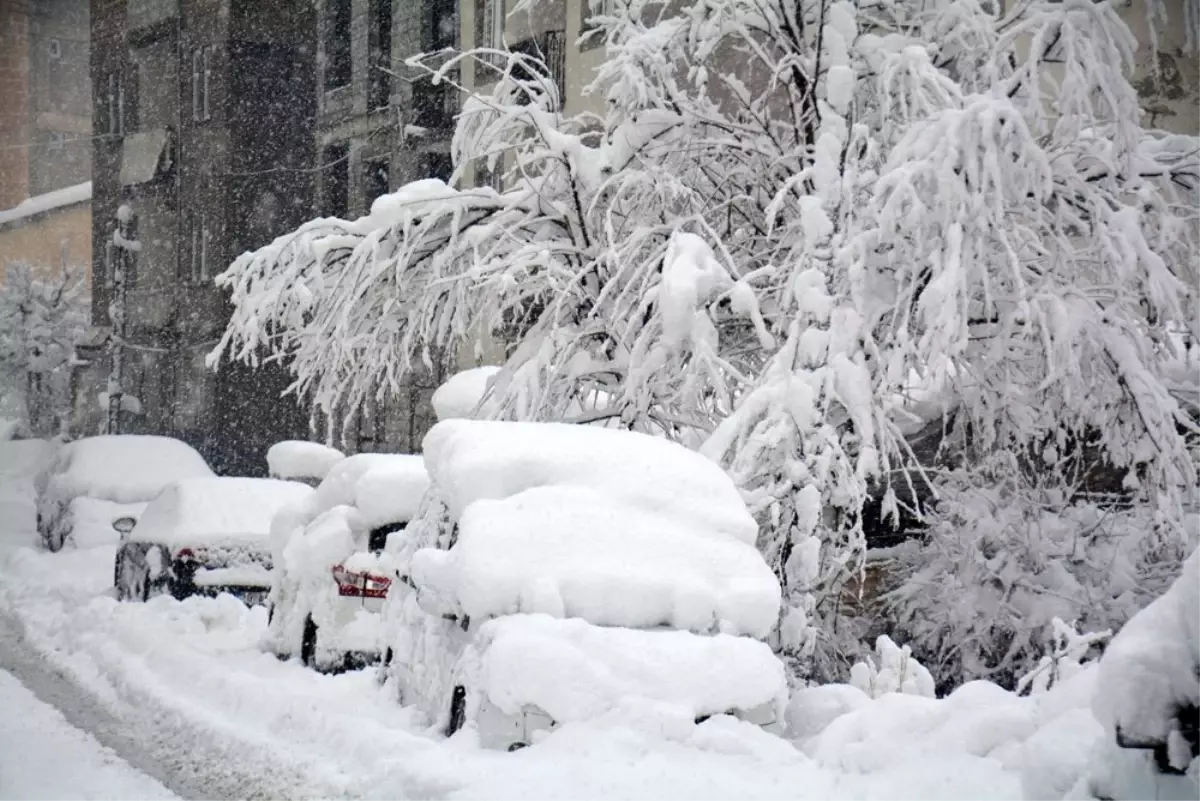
(308, 643)
(517, 747)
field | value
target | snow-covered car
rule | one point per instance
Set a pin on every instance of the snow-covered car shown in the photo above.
(94, 481)
(562, 573)
(204, 536)
(333, 566)
(1148, 698)
(298, 460)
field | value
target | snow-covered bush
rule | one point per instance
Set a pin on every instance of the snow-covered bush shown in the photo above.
(1064, 657)
(896, 672)
(41, 317)
(978, 597)
(787, 210)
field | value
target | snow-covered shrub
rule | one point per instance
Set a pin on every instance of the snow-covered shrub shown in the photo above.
(1064, 657)
(978, 597)
(896, 672)
(42, 314)
(787, 210)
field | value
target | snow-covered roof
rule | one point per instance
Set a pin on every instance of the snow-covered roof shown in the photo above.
(209, 511)
(39, 204)
(126, 468)
(574, 671)
(392, 492)
(461, 393)
(470, 460)
(577, 552)
(300, 459)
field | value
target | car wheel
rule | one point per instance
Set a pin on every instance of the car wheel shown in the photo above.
(517, 747)
(308, 643)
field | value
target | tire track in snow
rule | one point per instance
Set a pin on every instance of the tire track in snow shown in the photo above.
(183, 756)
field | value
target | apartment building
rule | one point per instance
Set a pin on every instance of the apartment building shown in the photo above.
(206, 114)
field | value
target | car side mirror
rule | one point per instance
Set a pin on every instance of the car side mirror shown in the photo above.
(124, 524)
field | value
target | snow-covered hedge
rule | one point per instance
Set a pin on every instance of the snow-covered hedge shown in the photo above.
(978, 596)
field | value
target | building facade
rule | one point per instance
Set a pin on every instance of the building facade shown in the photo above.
(45, 126)
(207, 114)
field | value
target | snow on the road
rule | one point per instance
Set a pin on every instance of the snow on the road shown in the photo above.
(44, 756)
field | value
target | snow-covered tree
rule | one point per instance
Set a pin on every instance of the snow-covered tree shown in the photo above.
(788, 210)
(42, 314)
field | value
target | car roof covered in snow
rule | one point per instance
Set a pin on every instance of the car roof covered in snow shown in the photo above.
(300, 459)
(574, 552)
(388, 485)
(575, 671)
(472, 460)
(125, 468)
(211, 511)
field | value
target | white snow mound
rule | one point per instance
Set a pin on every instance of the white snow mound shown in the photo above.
(215, 511)
(391, 492)
(124, 468)
(471, 460)
(299, 459)
(575, 552)
(1150, 668)
(574, 671)
(460, 395)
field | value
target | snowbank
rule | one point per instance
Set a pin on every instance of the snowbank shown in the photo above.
(576, 552)
(124, 468)
(294, 459)
(461, 394)
(211, 511)
(574, 671)
(470, 460)
(1150, 668)
(391, 492)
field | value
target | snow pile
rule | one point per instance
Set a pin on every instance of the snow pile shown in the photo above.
(296, 459)
(124, 468)
(338, 486)
(462, 395)
(326, 541)
(1149, 669)
(391, 493)
(213, 511)
(574, 671)
(470, 460)
(40, 204)
(896, 672)
(576, 552)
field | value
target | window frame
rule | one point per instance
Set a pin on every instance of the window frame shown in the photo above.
(333, 21)
(201, 83)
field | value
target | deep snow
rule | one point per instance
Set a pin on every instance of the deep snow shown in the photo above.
(193, 674)
(44, 756)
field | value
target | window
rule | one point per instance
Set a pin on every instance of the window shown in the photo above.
(54, 49)
(201, 239)
(337, 43)
(54, 143)
(110, 262)
(437, 165)
(381, 53)
(114, 103)
(490, 27)
(443, 25)
(376, 181)
(335, 169)
(201, 83)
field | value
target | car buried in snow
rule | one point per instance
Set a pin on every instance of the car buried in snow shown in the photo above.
(333, 565)
(564, 573)
(203, 536)
(94, 481)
